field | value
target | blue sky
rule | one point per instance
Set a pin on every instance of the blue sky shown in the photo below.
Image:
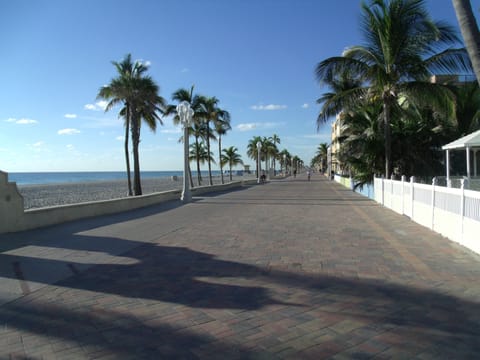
(256, 56)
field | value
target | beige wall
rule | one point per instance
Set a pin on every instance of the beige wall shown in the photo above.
(14, 218)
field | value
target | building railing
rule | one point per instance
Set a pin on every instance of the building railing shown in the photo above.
(452, 212)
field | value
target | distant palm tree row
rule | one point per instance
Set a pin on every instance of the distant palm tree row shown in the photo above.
(270, 153)
(138, 96)
(394, 119)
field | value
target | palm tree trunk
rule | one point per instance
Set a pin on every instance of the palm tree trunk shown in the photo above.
(208, 152)
(137, 187)
(469, 29)
(127, 154)
(230, 168)
(388, 140)
(199, 176)
(190, 176)
(220, 155)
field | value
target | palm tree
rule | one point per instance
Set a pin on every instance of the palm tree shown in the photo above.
(139, 96)
(467, 109)
(285, 157)
(222, 125)
(232, 158)
(118, 92)
(212, 113)
(296, 163)
(198, 151)
(469, 29)
(195, 128)
(269, 151)
(252, 151)
(322, 153)
(276, 140)
(146, 106)
(404, 47)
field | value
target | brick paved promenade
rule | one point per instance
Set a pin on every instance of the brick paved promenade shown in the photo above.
(287, 270)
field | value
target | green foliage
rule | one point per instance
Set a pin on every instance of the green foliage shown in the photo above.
(383, 89)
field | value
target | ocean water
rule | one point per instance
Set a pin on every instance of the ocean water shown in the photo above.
(37, 178)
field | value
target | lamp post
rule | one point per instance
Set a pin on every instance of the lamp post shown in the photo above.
(185, 113)
(259, 148)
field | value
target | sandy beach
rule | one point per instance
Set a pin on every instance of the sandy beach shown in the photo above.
(36, 196)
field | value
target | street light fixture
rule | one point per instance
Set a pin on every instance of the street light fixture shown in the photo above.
(259, 148)
(185, 113)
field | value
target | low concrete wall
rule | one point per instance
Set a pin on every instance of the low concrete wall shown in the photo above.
(14, 218)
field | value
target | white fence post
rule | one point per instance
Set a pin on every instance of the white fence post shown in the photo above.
(403, 194)
(462, 207)
(391, 191)
(434, 182)
(383, 192)
(412, 198)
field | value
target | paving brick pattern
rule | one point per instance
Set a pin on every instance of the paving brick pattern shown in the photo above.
(287, 270)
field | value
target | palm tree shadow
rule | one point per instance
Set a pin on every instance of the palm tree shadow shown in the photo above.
(113, 332)
(172, 274)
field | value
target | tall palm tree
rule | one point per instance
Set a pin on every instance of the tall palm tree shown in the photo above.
(322, 153)
(118, 91)
(198, 151)
(276, 140)
(470, 33)
(285, 157)
(252, 151)
(139, 96)
(269, 151)
(231, 157)
(212, 114)
(467, 109)
(222, 125)
(194, 101)
(403, 48)
(146, 106)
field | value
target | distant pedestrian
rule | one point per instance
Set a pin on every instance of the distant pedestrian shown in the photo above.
(295, 173)
(308, 175)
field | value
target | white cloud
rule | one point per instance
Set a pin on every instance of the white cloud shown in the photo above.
(305, 106)
(268, 107)
(257, 125)
(98, 106)
(22, 121)
(171, 131)
(319, 137)
(70, 116)
(68, 131)
(38, 144)
(247, 126)
(26, 121)
(120, 138)
(70, 147)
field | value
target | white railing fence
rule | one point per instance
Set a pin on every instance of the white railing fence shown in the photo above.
(454, 213)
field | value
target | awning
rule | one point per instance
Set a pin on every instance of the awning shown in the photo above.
(468, 141)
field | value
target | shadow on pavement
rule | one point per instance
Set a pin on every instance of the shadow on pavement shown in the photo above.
(173, 275)
(101, 332)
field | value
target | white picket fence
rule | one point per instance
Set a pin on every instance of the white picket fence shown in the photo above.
(454, 213)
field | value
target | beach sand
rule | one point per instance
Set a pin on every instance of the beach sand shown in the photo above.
(36, 196)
